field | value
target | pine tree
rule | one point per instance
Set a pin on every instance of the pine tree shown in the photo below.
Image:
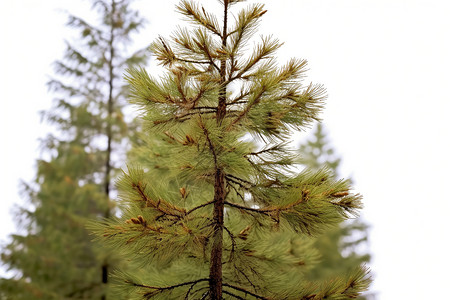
(337, 246)
(55, 258)
(209, 213)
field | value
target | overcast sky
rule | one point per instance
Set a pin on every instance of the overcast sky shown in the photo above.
(386, 66)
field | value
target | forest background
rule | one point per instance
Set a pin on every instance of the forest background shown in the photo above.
(385, 66)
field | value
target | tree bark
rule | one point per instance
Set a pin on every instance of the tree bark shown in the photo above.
(215, 271)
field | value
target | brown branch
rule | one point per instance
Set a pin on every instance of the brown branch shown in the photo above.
(232, 181)
(192, 61)
(200, 206)
(180, 88)
(255, 210)
(211, 146)
(246, 277)
(161, 289)
(274, 148)
(229, 176)
(233, 295)
(236, 102)
(233, 243)
(190, 11)
(205, 107)
(236, 190)
(247, 109)
(181, 116)
(162, 206)
(237, 288)
(190, 289)
(268, 210)
(208, 54)
(240, 97)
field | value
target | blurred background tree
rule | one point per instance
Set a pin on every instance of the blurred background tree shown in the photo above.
(344, 247)
(53, 257)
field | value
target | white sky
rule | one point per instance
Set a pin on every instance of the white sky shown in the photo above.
(386, 66)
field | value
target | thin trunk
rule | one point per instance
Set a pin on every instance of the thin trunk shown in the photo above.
(221, 108)
(109, 134)
(215, 270)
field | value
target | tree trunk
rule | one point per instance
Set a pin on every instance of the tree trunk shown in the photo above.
(109, 135)
(215, 271)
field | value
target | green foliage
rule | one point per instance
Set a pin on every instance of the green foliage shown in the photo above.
(337, 247)
(208, 213)
(54, 257)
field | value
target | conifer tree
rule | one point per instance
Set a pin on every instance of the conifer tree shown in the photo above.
(208, 213)
(337, 246)
(55, 258)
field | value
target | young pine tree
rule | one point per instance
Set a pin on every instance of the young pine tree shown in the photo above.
(337, 246)
(210, 214)
(55, 258)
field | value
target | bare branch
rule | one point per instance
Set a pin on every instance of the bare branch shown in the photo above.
(241, 181)
(237, 288)
(200, 206)
(255, 210)
(159, 289)
(233, 243)
(236, 190)
(233, 295)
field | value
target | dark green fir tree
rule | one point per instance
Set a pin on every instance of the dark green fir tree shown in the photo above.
(54, 257)
(344, 247)
(212, 214)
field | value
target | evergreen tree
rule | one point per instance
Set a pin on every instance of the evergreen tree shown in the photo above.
(337, 246)
(210, 214)
(55, 258)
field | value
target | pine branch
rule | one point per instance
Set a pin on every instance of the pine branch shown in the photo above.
(186, 297)
(239, 181)
(160, 205)
(246, 277)
(236, 190)
(205, 107)
(247, 292)
(263, 51)
(274, 148)
(157, 289)
(233, 243)
(203, 45)
(210, 144)
(191, 10)
(190, 49)
(238, 99)
(254, 102)
(232, 295)
(167, 56)
(246, 23)
(351, 288)
(241, 207)
(198, 207)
